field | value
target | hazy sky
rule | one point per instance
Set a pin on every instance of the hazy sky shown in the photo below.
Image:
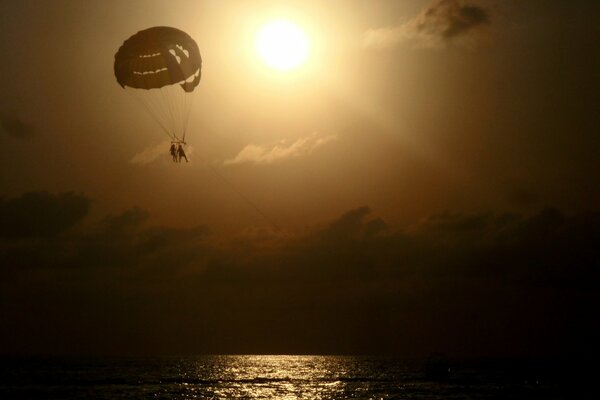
(427, 181)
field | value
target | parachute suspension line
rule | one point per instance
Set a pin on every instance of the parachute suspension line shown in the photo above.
(158, 108)
(175, 110)
(164, 85)
(169, 107)
(179, 101)
(182, 112)
(152, 98)
(244, 197)
(151, 110)
(188, 101)
(164, 91)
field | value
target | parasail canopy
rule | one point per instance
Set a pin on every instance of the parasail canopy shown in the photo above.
(161, 67)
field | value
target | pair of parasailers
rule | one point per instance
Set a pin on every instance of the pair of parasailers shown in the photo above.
(177, 153)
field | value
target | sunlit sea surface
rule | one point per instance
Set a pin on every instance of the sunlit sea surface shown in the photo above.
(282, 377)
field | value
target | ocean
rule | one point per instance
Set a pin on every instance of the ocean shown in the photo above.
(288, 377)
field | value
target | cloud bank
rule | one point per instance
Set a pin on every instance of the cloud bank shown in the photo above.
(465, 284)
(41, 214)
(268, 154)
(442, 23)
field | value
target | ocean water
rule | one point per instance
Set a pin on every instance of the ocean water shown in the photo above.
(285, 377)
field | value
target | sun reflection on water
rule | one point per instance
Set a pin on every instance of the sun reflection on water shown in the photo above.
(272, 377)
(276, 377)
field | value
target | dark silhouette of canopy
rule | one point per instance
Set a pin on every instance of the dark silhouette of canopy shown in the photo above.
(153, 66)
(158, 57)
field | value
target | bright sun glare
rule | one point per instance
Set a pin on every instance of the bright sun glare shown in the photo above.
(282, 45)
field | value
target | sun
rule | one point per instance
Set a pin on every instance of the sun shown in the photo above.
(282, 45)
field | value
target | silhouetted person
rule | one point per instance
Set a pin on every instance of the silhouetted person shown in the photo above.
(181, 153)
(173, 151)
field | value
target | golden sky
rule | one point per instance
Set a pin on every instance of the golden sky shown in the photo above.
(392, 109)
(414, 110)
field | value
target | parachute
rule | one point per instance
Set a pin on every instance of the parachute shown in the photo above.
(161, 68)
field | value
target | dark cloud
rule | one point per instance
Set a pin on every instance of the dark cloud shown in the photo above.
(443, 22)
(353, 225)
(127, 221)
(16, 127)
(447, 221)
(450, 18)
(461, 283)
(119, 243)
(41, 214)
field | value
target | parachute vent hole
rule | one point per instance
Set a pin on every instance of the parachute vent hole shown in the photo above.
(183, 50)
(175, 55)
